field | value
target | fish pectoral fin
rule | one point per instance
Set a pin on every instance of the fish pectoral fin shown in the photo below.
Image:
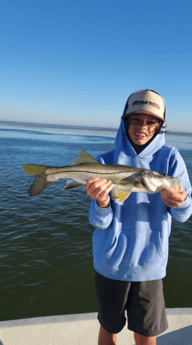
(129, 180)
(73, 184)
(84, 157)
(120, 195)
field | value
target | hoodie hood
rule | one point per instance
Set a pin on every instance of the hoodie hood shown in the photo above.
(124, 148)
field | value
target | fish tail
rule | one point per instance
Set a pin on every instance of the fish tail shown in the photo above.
(33, 169)
(39, 184)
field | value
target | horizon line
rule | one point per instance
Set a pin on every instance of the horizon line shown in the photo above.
(77, 126)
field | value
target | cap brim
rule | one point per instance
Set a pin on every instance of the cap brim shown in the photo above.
(145, 113)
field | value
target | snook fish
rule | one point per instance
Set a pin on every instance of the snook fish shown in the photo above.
(125, 179)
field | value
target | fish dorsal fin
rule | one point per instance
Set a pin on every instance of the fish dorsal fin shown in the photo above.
(120, 195)
(84, 157)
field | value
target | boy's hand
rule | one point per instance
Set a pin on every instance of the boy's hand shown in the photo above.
(98, 189)
(174, 197)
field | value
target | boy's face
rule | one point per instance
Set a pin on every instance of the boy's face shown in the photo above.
(142, 128)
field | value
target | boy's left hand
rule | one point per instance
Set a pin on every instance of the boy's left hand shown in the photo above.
(174, 197)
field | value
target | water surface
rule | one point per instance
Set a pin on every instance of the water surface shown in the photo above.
(46, 241)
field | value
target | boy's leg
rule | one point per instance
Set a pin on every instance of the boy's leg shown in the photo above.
(146, 311)
(112, 298)
(143, 340)
(106, 338)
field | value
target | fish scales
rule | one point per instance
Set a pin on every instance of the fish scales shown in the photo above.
(81, 173)
(95, 168)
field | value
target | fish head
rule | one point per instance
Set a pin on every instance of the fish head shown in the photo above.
(145, 179)
(153, 182)
(169, 182)
(141, 181)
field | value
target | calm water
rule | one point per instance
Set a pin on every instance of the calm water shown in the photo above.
(46, 242)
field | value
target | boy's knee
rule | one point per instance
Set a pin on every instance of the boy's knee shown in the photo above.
(144, 340)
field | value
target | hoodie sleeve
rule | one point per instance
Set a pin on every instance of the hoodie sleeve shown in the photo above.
(99, 217)
(177, 168)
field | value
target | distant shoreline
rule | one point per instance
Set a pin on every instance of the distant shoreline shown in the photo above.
(57, 126)
(80, 127)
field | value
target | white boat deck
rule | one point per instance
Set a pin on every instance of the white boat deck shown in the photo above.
(82, 329)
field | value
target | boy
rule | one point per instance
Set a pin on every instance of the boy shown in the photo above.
(131, 239)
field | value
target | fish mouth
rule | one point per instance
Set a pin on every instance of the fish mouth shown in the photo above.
(144, 184)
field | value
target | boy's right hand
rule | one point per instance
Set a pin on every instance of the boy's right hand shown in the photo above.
(99, 189)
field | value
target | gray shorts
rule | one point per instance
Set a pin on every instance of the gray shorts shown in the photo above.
(143, 301)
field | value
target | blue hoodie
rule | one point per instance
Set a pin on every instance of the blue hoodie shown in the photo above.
(131, 239)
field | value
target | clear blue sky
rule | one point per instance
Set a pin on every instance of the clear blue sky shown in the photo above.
(76, 62)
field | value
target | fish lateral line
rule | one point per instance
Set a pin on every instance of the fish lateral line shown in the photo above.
(87, 172)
